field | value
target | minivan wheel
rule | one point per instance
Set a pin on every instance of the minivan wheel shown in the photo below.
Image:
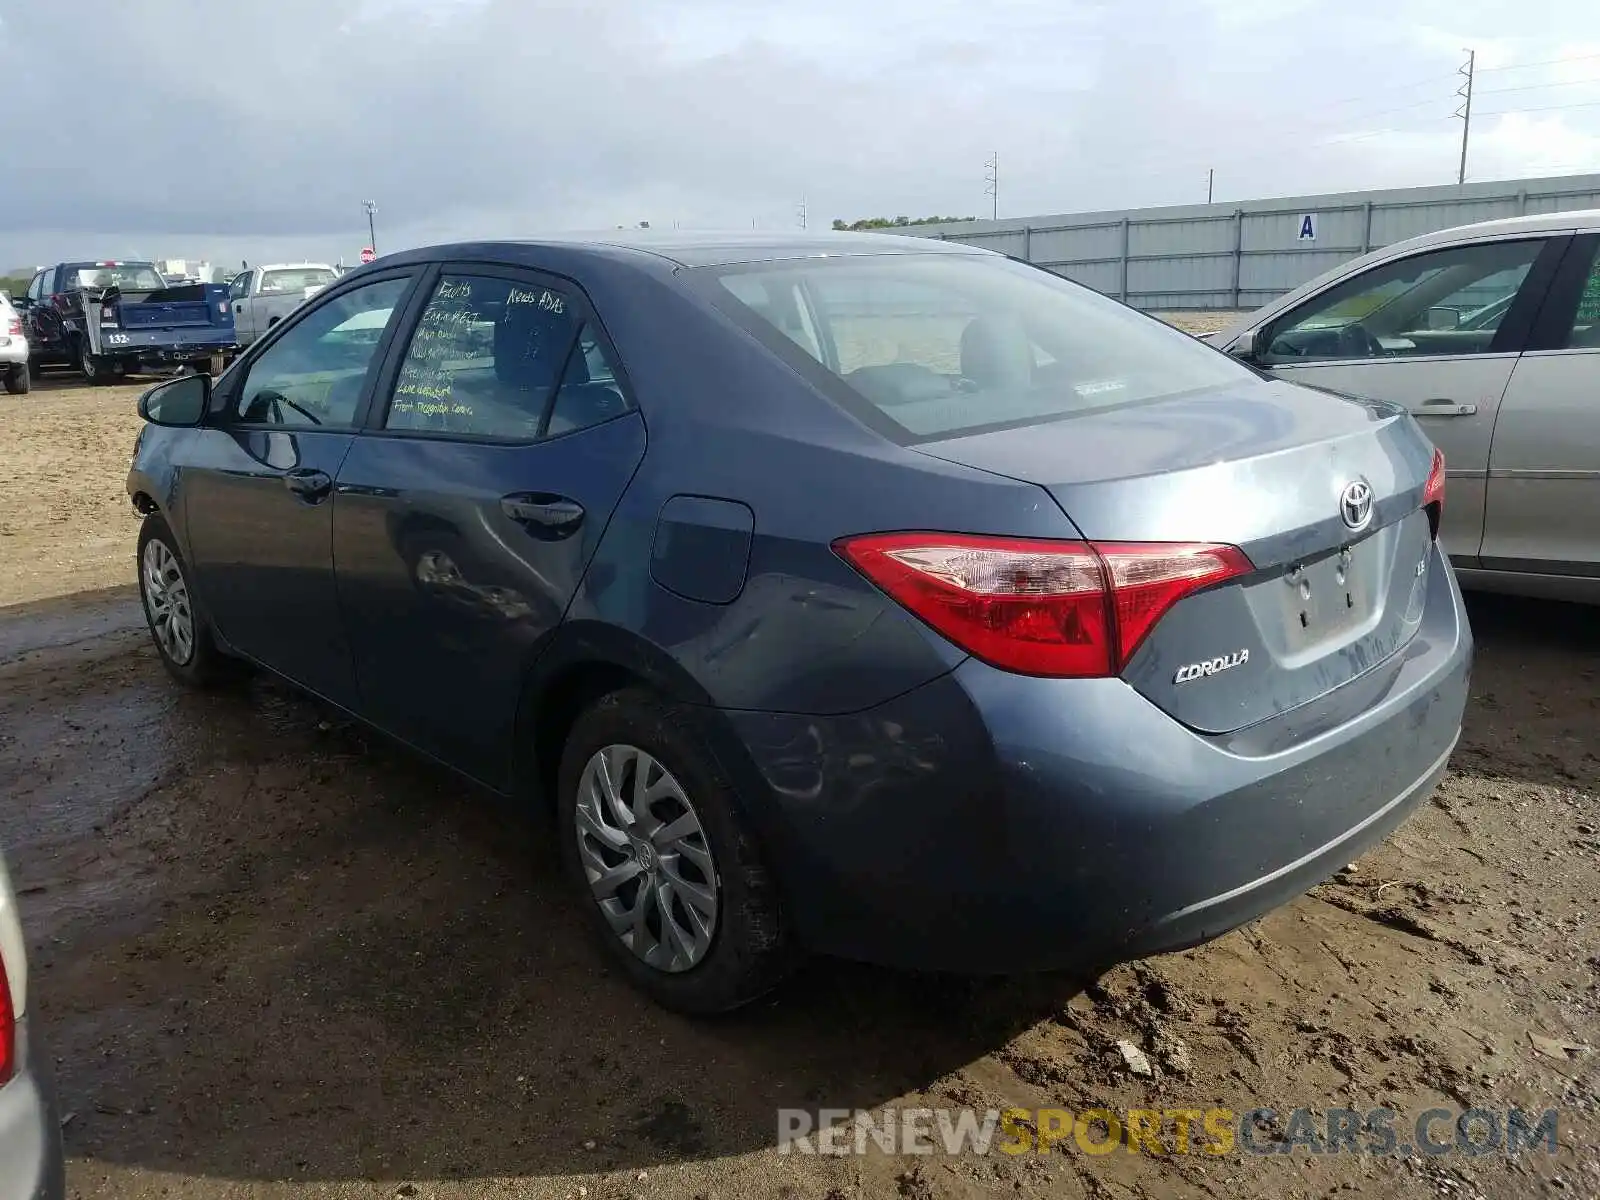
(671, 879)
(18, 380)
(177, 626)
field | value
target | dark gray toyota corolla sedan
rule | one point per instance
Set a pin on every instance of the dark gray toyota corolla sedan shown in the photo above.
(868, 595)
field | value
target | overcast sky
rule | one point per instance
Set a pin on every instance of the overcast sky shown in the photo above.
(255, 128)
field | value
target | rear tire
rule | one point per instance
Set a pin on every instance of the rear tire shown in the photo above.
(685, 838)
(178, 625)
(96, 368)
(18, 380)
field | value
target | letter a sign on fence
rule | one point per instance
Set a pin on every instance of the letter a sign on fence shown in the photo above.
(1308, 227)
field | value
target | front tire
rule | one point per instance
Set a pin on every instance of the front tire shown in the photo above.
(177, 625)
(18, 381)
(670, 877)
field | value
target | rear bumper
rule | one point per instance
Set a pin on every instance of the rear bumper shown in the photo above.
(989, 822)
(13, 350)
(31, 1162)
(178, 352)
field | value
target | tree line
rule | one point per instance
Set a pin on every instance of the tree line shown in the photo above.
(893, 222)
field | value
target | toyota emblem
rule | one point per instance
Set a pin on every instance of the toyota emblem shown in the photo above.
(1355, 504)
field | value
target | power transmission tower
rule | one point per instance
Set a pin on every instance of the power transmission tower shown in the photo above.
(1211, 178)
(802, 212)
(991, 186)
(1465, 111)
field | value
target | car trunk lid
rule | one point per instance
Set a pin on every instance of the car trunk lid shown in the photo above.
(1264, 467)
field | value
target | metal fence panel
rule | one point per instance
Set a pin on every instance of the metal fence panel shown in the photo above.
(1233, 256)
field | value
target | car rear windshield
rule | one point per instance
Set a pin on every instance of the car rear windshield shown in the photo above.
(938, 345)
(296, 279)
(130, 277)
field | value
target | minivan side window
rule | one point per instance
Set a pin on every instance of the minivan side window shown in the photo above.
(1449, 301)
(313, 376)
(503, 359)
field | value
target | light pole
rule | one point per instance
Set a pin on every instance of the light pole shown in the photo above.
(372, 236)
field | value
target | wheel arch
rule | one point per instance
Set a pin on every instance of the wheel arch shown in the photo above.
(585, 660)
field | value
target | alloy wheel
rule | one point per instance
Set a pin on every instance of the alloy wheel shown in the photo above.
(166, 599)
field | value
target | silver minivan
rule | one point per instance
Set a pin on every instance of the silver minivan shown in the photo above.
(1490, 335)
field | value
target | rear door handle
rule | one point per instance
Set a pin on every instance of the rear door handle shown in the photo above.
(311, 486)
(1444, 408)
(543, 513)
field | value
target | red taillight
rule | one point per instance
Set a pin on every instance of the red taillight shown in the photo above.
(8, 1029)
(1069, 609)
(1433, 491)
(14, 327)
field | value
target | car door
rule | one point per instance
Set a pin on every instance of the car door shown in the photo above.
(243, 310)
(1440, 332)
(258, 490)
(469, 508)
(1543, 511)
(43, 324)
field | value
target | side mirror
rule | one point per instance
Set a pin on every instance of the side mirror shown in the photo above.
(1444, 318)
(180, 403)
(1249, 345)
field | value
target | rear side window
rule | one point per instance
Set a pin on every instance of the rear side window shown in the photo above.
(927, 346)
(1584, 333)
(503, 359)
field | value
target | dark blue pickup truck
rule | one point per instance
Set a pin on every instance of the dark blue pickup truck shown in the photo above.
(110, 318)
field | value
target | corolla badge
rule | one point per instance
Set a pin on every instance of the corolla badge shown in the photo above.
(1212, 666)
(1355, 504)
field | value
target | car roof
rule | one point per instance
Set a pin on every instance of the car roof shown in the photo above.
(298, 266)
(1585, 219)
(686, 249)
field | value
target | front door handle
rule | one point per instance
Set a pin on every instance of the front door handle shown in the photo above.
(1444, 408)
(311, 486)
(543, 513)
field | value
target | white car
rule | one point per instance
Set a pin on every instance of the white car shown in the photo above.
(1490, 335)
(31, 1165)
(13, 350)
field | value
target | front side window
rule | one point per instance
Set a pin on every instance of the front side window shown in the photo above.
(36, 288)
(505, 359)
(936, 345)
(313, 375)
(1442, 302)
(240, 287)
(286, 280)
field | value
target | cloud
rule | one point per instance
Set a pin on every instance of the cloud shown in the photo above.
(190, 127)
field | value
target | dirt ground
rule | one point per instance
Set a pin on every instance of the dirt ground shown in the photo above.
(276, 959)
(65, 522)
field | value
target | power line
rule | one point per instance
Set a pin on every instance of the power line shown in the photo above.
(1549, 62)
(1539, 87)
(1501, 112)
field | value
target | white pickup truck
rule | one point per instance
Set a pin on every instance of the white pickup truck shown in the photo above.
(263, 296)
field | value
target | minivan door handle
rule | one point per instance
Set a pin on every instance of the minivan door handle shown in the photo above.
(1444, 408)
(543, 514)
(310, 485)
